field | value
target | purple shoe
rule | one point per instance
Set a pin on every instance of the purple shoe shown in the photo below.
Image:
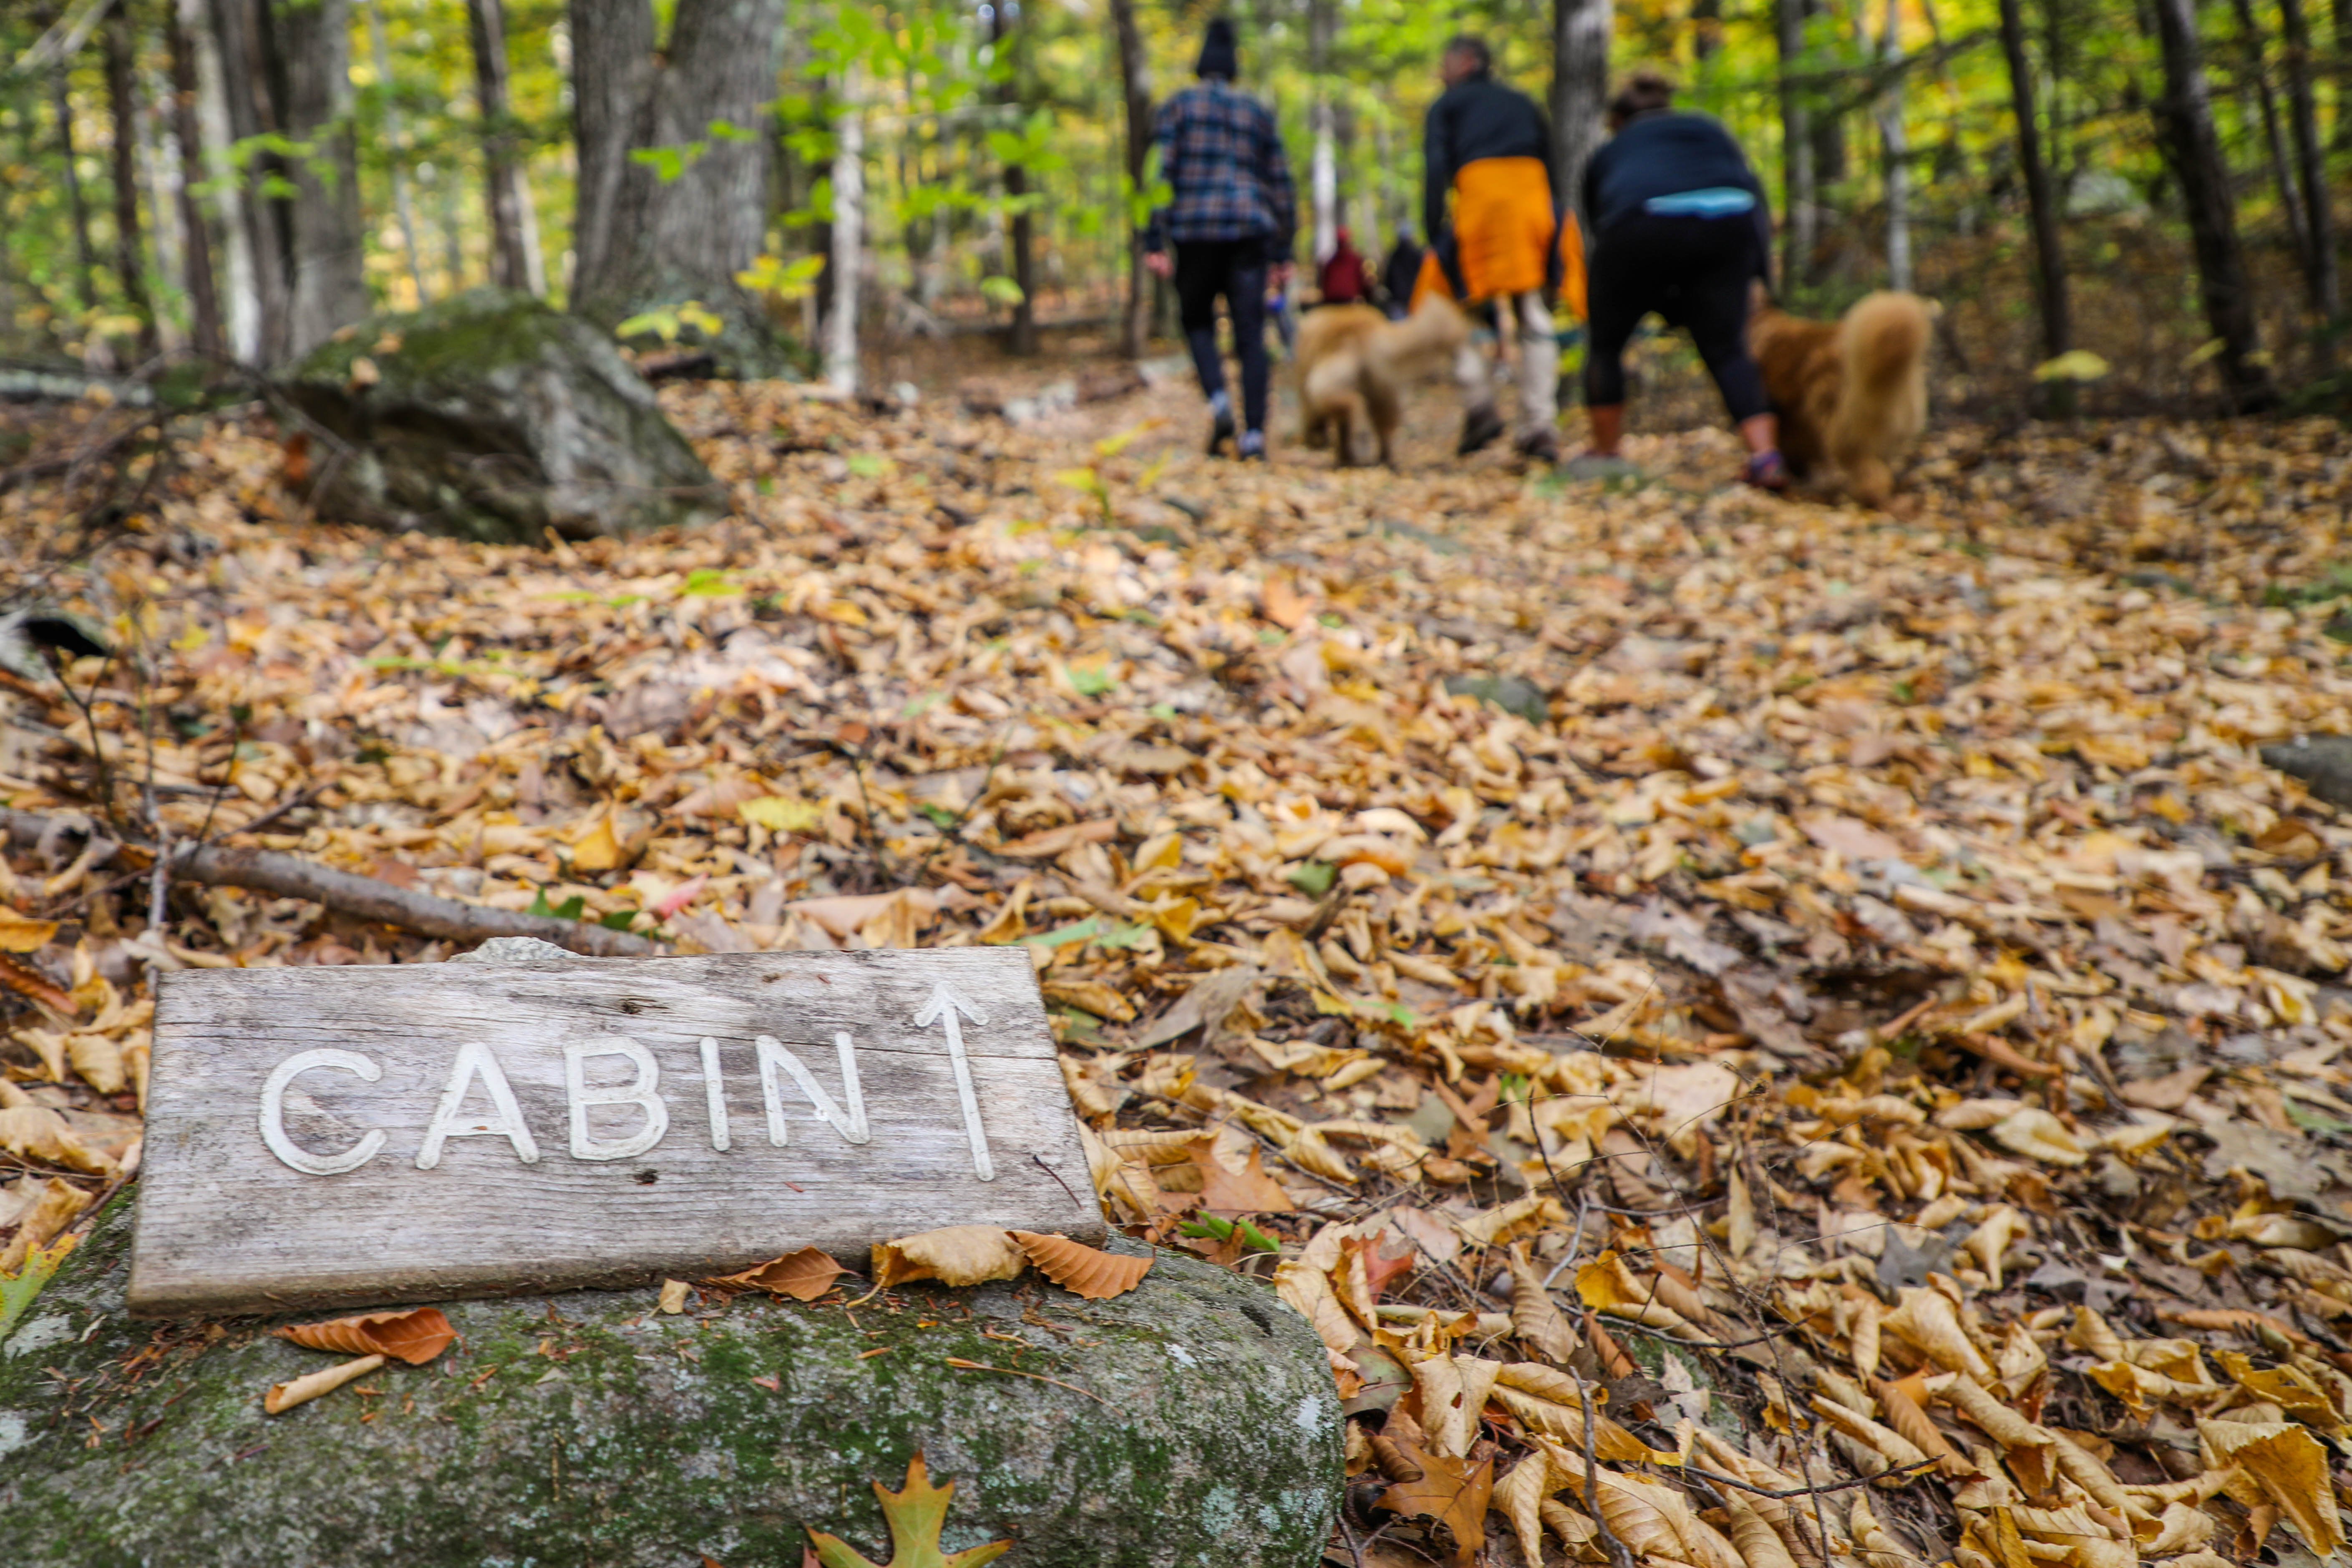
(1766, 472)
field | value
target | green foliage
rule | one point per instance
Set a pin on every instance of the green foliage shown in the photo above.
(672, 322)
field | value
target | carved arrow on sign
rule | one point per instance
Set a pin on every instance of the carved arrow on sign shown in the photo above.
(943, 1008)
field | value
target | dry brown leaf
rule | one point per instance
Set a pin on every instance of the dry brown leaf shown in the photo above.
(1541, 1326)
(60, 1203)
(39, 1134)
(673, 1297)
(21, 934)
(414, 1337)
(1308, 1290)
(1228, 1191)
(285, 1396)
(804, 1276)
(24, 980)
(2289, 1465)
(1519, 1498)
(953, 1255)
(1455, 1493)
(1080, 1269)
(1925, 1319)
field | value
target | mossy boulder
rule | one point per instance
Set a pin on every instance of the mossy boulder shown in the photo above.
(588, 1428)
(490, 416)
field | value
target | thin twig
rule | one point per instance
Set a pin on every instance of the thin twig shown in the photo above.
(1618, 1555)
(958, 1361)
(1818, 1491)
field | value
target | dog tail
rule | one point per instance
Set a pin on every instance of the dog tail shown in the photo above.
(1883, 340)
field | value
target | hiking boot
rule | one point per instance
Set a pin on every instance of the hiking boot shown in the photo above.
(1542, 445)
(1221, 430)
(1480, 428)
(1251, 448)
(1598, 466)
(1766, 472)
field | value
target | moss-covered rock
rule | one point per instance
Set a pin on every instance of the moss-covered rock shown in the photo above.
(490, 416)
(587, 1428)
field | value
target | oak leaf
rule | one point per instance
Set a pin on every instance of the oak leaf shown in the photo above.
(1455, 1493)
(414, 1337)
(1080, 1269)
(1226, 1191)
(804, 1276)
(916, 1514)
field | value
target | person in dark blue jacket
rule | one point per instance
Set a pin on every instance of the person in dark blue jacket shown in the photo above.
(1680, 227)
(1233, 221)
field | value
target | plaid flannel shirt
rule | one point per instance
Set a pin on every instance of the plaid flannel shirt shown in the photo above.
(1220, 154)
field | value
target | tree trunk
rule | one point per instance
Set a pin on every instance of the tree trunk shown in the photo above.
(1323, 166)
(129, 261)
(2265, 109)
(1134, 84)
(85, 263)
(253, 94)
(1581, 31)
(1897, 146)
(1798, 238)
(1021, 339)
(641, 241)
(514, 249)
(841, 365)
(197, 49)
(1706, 29)
(327, 262)
(2041, 204)
(2311, 161)
(2184, 117)
(159, 181)
(403, 206)
(196, 244)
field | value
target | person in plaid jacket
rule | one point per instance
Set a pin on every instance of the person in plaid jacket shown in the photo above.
(1230, 223)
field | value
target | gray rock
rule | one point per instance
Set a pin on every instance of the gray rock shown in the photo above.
(490, 416)
(2324, 763)
(1511, 693)
(586, 1429)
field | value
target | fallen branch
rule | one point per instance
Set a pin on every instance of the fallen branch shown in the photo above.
(292, 877)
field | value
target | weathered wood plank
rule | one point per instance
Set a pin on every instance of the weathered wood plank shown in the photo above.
(355, 1135)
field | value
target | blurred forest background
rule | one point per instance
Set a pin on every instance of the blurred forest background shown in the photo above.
(2126, 202)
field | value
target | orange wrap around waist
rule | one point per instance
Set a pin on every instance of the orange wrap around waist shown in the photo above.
(1503, 228)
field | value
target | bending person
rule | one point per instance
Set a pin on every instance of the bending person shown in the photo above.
(1680, 227)
(1232, 219)
(1487, 147)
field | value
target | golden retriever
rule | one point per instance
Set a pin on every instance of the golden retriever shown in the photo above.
(1851, 394)
(1353, 363)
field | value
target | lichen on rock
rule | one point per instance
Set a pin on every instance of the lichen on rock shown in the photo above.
(490, 416)
(587, 1428)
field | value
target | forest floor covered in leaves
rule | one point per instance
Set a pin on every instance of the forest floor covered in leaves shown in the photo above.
(1824, 994)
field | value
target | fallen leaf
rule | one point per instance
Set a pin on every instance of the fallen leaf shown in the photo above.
(414, 1337)
(1455, 1493)
(673, 1297)
(20, 933)
(1080, 1269)
(285, 1396)
(804, 1276)
(953, 1255)
(1228, 1191)
(916, 1514)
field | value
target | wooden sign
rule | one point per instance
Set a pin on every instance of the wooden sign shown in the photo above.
(347, 1136)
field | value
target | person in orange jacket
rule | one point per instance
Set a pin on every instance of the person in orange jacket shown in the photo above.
(1506, 241)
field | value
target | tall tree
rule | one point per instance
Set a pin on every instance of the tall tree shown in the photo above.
(2041, 202)
(2256, 81)
(1706, 29)
(244, 311)
(1135, 87)
(77, 203)
(678, 223)
(118, 48)
(2184, 117)
(1799, 238)
(1323, 165)
(196, 245)
(403, 206)
(1021, 232)
(515, 260)
(1581, 31)
(326, 255)
(2311, 161)
(847, 261)
(1896, 145)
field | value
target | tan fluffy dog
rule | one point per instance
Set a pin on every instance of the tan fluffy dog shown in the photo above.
(1851, 394)
(1354, 362)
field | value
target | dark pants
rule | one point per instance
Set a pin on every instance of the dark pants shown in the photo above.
(1235, 268)
(1695, 272)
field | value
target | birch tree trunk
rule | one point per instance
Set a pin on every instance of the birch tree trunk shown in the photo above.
(841, 366)
(1581, 33)
(2184, 117)
(1323, 167)
(205, 135)
(1134, 84)
(326, 261)
(2041, 204)
(1799, 236)
(1895, 143)
(515, 261)
(643, 242)
(2311, 161)
(1021, 241)
(121, 100)
(403, 206)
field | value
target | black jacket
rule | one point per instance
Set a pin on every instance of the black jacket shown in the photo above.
(1476, 118)
(1665, 154)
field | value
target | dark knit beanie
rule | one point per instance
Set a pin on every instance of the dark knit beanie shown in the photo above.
(1220, 54)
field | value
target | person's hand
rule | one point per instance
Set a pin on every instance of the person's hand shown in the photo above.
(1279, 279)
(1159, 263)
